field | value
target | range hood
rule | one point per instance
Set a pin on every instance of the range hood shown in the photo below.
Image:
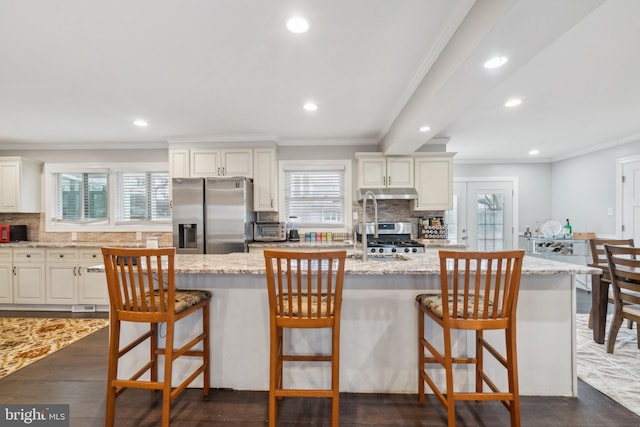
(390, 193)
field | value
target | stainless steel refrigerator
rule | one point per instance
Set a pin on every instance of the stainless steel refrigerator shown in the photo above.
(212, 215)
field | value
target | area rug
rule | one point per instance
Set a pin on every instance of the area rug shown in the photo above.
(617, 375)
(25, 340)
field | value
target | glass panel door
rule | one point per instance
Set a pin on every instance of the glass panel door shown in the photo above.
(482, 216)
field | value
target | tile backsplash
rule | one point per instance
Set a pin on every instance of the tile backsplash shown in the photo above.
(388, 211)
(36, 233)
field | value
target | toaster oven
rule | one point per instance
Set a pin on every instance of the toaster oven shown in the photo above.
(269, 231)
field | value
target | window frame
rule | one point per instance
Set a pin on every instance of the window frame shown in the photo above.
(346, 165)
(112, 224)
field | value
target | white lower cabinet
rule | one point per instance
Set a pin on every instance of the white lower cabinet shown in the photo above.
(68, 281)
(62, 276)
(6, 276)
(92, 286)
(28, 276)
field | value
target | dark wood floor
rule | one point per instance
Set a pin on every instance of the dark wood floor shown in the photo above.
(76, 375)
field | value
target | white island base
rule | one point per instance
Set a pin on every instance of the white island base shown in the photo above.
(378, 334)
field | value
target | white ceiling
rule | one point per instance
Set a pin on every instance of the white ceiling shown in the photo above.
(76, 73)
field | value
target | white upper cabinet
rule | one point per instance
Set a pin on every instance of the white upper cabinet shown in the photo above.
(265, 180)
(225, 162)
(179, 164)
(377, 171)
(434, 182)
(204, 162)
(20, 184)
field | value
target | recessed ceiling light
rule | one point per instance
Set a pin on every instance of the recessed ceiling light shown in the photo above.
(424, 129)
(310, 106)
(495, 62)
(297, 24)
(141, 123)
(534, 152)
(514, 102)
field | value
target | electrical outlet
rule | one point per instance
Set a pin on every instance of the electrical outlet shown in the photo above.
(610, 211)
(355, 216)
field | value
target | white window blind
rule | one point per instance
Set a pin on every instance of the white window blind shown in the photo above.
(142, 197)
(315, 196)
(81, 197)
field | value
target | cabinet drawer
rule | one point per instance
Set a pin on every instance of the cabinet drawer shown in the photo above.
(93, 256)
(5, 255)
(28, 255)
(62, 255)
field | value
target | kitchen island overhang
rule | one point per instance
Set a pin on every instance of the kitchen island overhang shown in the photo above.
(379, 325)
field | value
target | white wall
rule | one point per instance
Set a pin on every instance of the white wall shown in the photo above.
(534, 186)
(581, 188)
(91, 156)
(584, 188)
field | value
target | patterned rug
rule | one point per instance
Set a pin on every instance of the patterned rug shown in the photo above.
(617, 375)
(25, 340)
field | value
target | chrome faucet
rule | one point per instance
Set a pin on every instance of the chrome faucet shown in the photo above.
(364, 221)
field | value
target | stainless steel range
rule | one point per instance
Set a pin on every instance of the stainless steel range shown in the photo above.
(393, 238)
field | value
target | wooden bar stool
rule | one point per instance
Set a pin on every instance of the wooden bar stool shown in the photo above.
(305, 291)
(142, 289)
(479, 292)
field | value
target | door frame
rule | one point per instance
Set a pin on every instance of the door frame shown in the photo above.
(515, 212)
(620, 164)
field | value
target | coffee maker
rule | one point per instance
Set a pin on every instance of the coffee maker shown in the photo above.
(294, 224)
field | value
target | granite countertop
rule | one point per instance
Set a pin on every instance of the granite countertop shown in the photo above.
(426, 263)
(71, 245)
(428, 243)
(302, 245)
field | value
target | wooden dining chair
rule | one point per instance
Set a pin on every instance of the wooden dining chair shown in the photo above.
(479, 292)
(305, 291)
(142, 289)
(624, 273)
(599, 260)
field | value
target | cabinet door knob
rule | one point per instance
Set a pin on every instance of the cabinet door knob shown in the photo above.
(61, 255)
(28, 255)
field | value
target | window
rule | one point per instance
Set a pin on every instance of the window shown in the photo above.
(81, 197)
(101, 198)
(316, 194)
(143, 196)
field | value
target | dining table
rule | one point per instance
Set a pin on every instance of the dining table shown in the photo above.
(599, 301)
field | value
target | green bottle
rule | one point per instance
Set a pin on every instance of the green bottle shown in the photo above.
(567, 230)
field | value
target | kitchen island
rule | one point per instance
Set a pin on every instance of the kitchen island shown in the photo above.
(379, 324)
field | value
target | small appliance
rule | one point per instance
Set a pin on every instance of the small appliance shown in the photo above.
(269, 231)
(13, 233)
(294, 224)
(18, 233)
